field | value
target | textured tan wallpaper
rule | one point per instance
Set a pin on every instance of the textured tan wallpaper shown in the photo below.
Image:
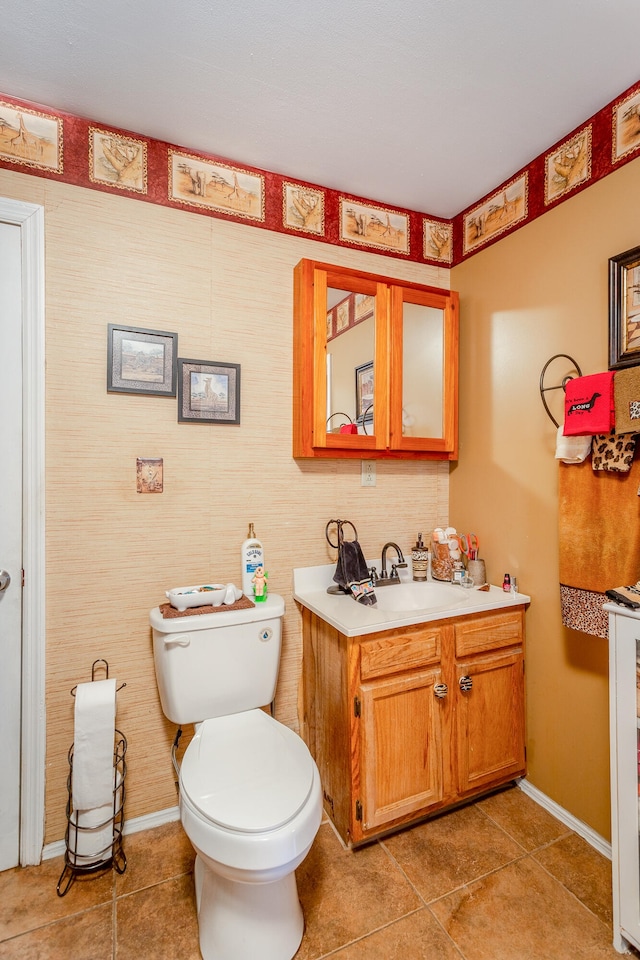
(226, 289)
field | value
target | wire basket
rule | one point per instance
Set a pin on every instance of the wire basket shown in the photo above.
(93, 838)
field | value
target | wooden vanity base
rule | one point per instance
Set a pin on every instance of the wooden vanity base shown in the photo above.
(410, 721)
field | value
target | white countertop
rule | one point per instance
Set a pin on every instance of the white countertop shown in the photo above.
(354, 619)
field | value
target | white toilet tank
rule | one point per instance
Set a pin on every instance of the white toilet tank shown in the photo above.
(216, 664)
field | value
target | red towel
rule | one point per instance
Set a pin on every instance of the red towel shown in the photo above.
(589, 405)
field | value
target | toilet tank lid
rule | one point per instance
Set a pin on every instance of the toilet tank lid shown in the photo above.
(247, 772)
(272, 607)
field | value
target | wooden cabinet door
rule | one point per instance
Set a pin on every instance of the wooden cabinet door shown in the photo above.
(400, 747)
(489, 720)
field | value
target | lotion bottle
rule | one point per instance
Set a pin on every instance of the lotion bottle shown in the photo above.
(252, 557)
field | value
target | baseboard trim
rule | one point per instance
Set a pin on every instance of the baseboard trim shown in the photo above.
(150, 820)
(578, 826)
(146, 822)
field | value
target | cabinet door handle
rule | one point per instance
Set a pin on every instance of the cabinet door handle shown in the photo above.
(465, 683)
(441, 690)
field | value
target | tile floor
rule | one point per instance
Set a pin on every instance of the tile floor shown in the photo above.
(500, 879)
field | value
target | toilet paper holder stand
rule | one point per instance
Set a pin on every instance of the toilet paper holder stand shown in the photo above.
(91, 847)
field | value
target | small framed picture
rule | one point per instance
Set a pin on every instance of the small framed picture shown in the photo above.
(364, 392)
(208, 391)
(624, 309)
(141, 361)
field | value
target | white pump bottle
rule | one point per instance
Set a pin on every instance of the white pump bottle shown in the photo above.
(252, 557)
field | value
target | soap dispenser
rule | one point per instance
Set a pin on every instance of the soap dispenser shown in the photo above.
(420, 560)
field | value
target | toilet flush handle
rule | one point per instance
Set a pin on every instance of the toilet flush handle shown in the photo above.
(179, 640)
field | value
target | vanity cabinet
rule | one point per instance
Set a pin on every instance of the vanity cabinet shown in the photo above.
(375, 364)
(407, 722)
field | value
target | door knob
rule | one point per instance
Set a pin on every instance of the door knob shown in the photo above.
(5, 580)
(441, 690)
(465, 683)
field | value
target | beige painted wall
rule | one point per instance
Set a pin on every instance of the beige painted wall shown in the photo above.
(540, 292)
(227, 289)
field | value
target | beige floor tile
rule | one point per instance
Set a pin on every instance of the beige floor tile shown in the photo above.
(583, 871)
(521, 913)
(347, 894)
(416, 937)
(522, 818)
(28, 896)
(88, 936)
(159, 923)
(153, 856)
(442, 854)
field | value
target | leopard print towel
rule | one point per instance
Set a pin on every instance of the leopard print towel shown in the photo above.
(613, 451)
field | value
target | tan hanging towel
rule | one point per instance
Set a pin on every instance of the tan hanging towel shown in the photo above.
(599, 539)
(626, 388)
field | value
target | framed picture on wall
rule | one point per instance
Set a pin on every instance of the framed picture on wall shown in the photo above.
(624, 309)
(364, 392)
(208, 392)
(141, 361)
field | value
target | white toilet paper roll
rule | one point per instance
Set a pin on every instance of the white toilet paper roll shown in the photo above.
(91, 832)
(94, 734)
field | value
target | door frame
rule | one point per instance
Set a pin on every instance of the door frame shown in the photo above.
(29, 217)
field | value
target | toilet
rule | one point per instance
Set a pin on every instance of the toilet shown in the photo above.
(250, 793)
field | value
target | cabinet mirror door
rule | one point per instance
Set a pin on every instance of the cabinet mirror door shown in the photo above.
(375, 366)
(350, 361)
(424, 369)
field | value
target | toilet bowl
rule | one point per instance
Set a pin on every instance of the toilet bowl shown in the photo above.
(250, 792)
(251, 804)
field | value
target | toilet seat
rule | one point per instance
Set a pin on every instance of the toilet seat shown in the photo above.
(247, 772)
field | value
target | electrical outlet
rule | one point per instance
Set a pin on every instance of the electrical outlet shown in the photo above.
(368, 478)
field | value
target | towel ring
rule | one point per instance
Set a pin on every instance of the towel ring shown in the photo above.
(559, 386)
(339, 532)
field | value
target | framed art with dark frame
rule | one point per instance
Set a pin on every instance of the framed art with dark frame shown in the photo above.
(624, 309)
(208, 391)
(141, 361)
(364, 392)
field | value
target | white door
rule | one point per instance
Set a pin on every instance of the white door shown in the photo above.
(22, 533)
(10, 538)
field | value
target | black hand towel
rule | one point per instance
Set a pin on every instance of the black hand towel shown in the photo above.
(352, 573)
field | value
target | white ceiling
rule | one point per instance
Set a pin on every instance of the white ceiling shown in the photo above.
(424, 104)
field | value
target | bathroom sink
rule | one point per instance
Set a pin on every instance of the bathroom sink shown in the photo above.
(420, 596)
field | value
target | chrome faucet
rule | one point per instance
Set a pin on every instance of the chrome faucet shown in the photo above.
(386, 579)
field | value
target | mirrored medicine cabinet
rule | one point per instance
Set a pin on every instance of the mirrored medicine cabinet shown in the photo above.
(375, 364)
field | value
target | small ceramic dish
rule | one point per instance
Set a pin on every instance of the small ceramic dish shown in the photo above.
(182, 598)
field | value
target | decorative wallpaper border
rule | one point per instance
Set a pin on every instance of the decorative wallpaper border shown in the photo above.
(596, 148)
(497, 215)
(30, 138)
(43, 142)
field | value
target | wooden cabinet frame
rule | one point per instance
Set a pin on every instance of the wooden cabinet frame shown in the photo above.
(310, 435)
(392, 747)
